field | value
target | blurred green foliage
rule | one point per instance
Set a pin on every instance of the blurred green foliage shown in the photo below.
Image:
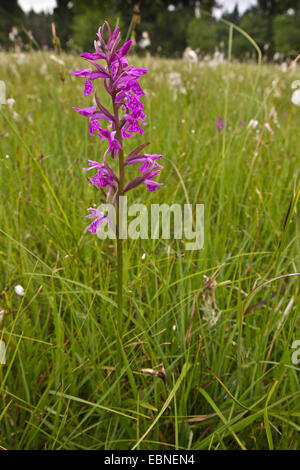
(10, 15)
(273, 24)
(88, 16)
(287, 34)
(202, 34)
(257, 27)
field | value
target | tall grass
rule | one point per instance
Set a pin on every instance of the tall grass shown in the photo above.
(231, 383)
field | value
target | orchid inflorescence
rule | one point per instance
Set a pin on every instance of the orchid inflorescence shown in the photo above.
(121, 83)
(220, 123)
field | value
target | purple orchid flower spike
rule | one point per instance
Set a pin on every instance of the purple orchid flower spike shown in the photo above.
(126, 119)
(220, 123)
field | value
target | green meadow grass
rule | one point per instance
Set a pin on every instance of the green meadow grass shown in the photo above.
(67, 384)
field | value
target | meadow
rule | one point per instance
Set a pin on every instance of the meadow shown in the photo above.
(207, 336)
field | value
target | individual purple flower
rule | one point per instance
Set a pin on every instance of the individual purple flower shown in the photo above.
(90, 75)
(220, 123)
(121, 82)
(152, 185)
(115, 65)
(150, 163)
(88, 87)
(99, 217)
(104, 177)
(94, 125)
(133, 103)
(93, 116)
(114, 144)
(149, 169)
(145, 158)
(88, 55)
(89, 111)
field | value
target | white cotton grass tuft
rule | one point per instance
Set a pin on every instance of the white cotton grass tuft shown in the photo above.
(175, 82)
(293, 66)
(2, 312)
(296, 95)
(217, 59)
(145, 41)
(253, 123)
(43, 69)
(190, 56)
(268, 127)
(19, 290)
(56, 59)
(13, 34)
(283, 67)
(10, 104)
(274, 116)
(295, 84)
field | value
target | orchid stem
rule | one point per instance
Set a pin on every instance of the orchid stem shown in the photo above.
(120, 267)
(120, 281)
(119, 220)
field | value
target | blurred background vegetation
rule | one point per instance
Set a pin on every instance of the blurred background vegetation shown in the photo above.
(162, 28)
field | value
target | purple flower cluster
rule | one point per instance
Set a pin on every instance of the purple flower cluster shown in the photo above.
(126, 119)
(220, 123)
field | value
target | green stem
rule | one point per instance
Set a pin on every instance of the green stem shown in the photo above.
(120, 280)
(119, 221)
(120, 252)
